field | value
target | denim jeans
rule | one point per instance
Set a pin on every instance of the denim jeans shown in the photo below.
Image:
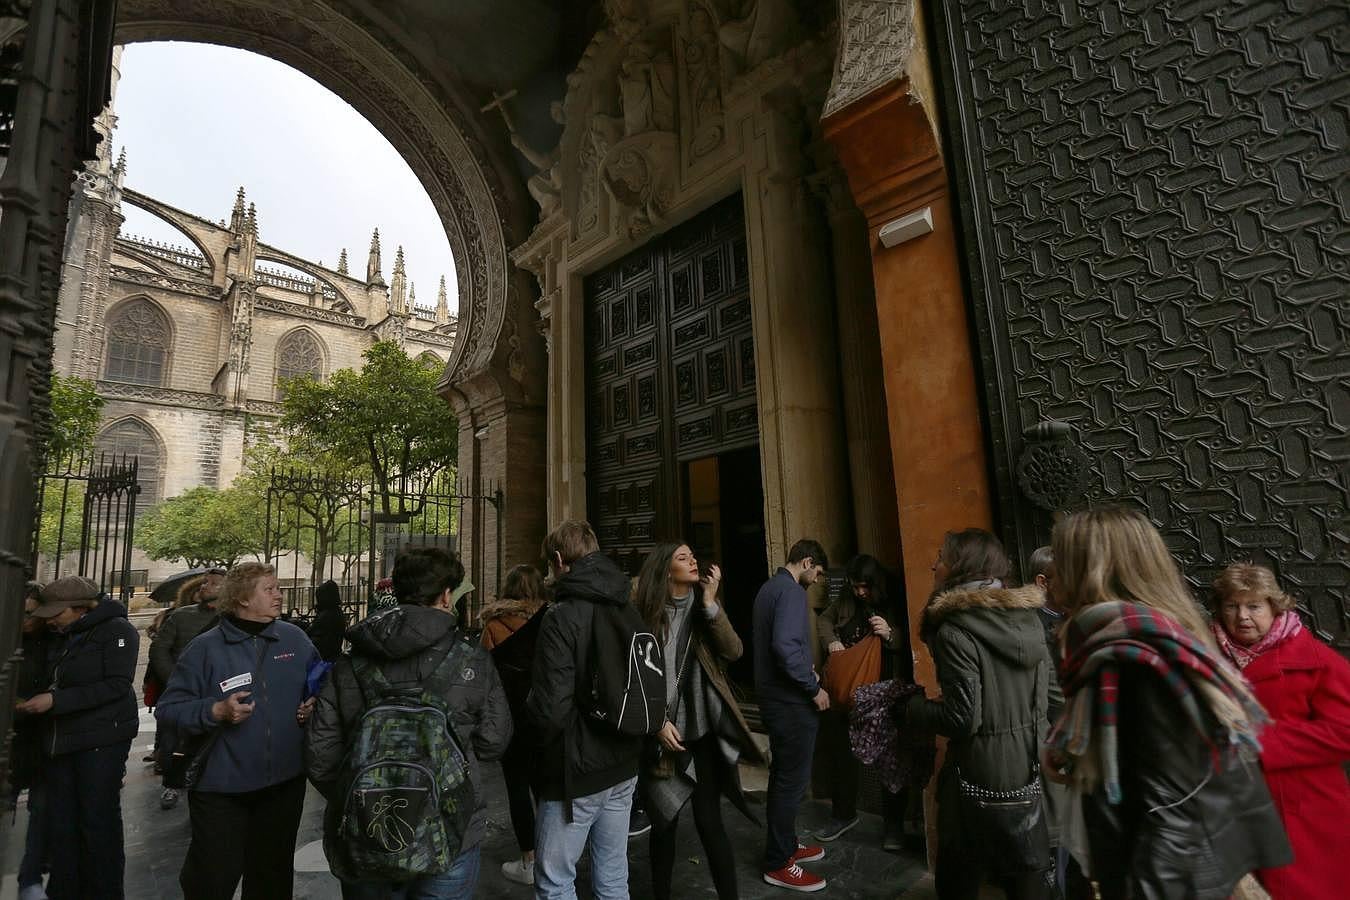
(455, 883)
(600, 820)
(37, 844)
(792, 731)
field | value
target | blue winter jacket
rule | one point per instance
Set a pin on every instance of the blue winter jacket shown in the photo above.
(264, 749)
(783, 662)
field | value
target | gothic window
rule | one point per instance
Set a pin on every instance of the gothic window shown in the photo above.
(430, 360)
(133, 438)
(299, 353)
(138, 343)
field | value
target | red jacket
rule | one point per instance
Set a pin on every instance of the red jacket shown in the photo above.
(1305, 686)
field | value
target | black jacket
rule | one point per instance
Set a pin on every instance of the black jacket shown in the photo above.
(32, 678)
(1181, 831)
(578, 756)
(93, 701)
(326, 632)
(180, 627)
(408, 642)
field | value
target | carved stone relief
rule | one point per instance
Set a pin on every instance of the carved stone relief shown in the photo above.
(876, 38)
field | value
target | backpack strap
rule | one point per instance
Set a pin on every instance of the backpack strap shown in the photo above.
(375, 686)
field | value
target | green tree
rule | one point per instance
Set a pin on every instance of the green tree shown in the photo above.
(203, 526)
(386, 417)
(77, 411)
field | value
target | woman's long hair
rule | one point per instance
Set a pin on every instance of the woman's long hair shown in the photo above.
(972, 555)
(1114, 554)
(653, 587)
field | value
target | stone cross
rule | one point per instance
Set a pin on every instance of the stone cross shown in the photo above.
(499, 103)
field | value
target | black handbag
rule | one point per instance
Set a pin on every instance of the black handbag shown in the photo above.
(1006, 830)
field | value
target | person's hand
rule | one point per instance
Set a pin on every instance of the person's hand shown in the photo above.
(711, 582)
(303, 711)
(669, 736)
(836, 646)
(821, 700)
(880, 627)
(233, 709)
(38, 703)
(1053, 765)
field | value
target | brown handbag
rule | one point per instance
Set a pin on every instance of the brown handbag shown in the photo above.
(849, 669)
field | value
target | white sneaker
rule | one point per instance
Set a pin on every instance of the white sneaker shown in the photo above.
(519, 871)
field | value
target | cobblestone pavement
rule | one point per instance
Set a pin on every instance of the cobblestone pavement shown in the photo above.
(156, 841)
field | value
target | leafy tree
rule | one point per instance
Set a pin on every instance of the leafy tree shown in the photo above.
(77, 410)
(203, 526)
(387, 417)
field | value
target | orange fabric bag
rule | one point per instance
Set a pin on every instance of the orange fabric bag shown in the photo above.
(851, 668)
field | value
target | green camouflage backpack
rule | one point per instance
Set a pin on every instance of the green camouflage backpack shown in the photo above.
(409, 798)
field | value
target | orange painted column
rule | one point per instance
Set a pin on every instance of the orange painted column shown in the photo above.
(890, 153)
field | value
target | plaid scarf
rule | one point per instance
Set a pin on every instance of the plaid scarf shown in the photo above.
(1286, 625)
(1102, 638)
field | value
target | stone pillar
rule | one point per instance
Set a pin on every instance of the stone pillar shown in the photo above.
(802, 451)
(872, 481)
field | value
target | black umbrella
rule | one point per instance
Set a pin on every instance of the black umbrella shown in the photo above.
(167, 590)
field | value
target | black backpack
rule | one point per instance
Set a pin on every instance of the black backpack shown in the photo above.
(625, 673)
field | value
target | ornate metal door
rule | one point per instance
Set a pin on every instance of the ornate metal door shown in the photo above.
(1155, 208)
(670, 374)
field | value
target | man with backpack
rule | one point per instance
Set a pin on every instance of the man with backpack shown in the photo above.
(598, 687)
(395, 742)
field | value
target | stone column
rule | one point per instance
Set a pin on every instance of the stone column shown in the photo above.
(875, 519)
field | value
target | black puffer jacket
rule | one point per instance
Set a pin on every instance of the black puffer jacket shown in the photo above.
(408, 642)
(577, 757)
(1181, 831)
(32, 678)
(994, 672)
(93, 701)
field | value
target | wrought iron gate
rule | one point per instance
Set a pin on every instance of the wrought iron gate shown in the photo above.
(321, 527)
(1155, 215)
(86, 521)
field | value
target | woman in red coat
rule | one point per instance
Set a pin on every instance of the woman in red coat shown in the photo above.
(1305, 686)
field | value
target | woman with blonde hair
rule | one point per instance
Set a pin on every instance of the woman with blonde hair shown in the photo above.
(1305, 687)
(1158, 735)
(240, 687)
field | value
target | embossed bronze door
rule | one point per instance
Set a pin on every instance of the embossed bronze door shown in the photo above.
(670, 374)
(1155, 212)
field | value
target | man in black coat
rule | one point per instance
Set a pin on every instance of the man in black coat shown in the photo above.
(91, 719)
(587, 772)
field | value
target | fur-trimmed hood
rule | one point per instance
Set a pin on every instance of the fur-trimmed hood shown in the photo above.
(497, 609)
(1003, 619)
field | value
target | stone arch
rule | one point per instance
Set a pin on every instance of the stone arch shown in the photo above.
(427, 358)
(138, 343)
(479, 198)
(299, 352)
(175, 219)
(133, 436)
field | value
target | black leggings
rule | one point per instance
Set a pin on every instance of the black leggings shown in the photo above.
(707, 804)
(518, 767)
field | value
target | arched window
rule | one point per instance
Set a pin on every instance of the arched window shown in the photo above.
(299, 353)
(431, 360)
(138, 343)
(132, 437)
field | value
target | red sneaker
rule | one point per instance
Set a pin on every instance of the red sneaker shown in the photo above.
(804, 853)
(795, 878)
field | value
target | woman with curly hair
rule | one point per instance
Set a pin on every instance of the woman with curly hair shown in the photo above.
(1305, 687)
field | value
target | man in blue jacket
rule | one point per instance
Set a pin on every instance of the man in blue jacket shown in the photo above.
(791, 700)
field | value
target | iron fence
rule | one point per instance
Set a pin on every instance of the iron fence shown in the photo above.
(321, 527)
(86, 520)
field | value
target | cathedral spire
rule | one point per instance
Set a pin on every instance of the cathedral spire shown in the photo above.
(398, 287)
(251, 222)
(373, 276)
(442, 305)
(342, 262)
(237, 214)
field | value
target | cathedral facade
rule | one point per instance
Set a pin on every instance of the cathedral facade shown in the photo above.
(189, 344)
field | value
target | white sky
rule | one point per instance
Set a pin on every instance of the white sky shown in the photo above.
(198, 121)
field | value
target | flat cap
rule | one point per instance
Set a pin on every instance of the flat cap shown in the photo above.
(65, 592)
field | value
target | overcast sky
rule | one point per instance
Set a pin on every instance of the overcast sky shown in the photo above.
(198, 121)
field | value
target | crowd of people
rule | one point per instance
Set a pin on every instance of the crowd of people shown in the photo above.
(1101, 736)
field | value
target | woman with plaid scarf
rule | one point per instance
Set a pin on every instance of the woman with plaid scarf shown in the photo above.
(1159, 734)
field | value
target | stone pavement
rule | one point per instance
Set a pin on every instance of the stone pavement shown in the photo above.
(156, 842)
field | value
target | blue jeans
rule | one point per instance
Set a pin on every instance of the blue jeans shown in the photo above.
(599, 819)
(455, 883)
(792, 731)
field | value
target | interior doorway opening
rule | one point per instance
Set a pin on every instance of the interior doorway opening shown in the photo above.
(723, 521)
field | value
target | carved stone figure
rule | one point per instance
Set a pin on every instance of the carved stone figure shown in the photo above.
(704, 69)
(646, 90)
(546, 185)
